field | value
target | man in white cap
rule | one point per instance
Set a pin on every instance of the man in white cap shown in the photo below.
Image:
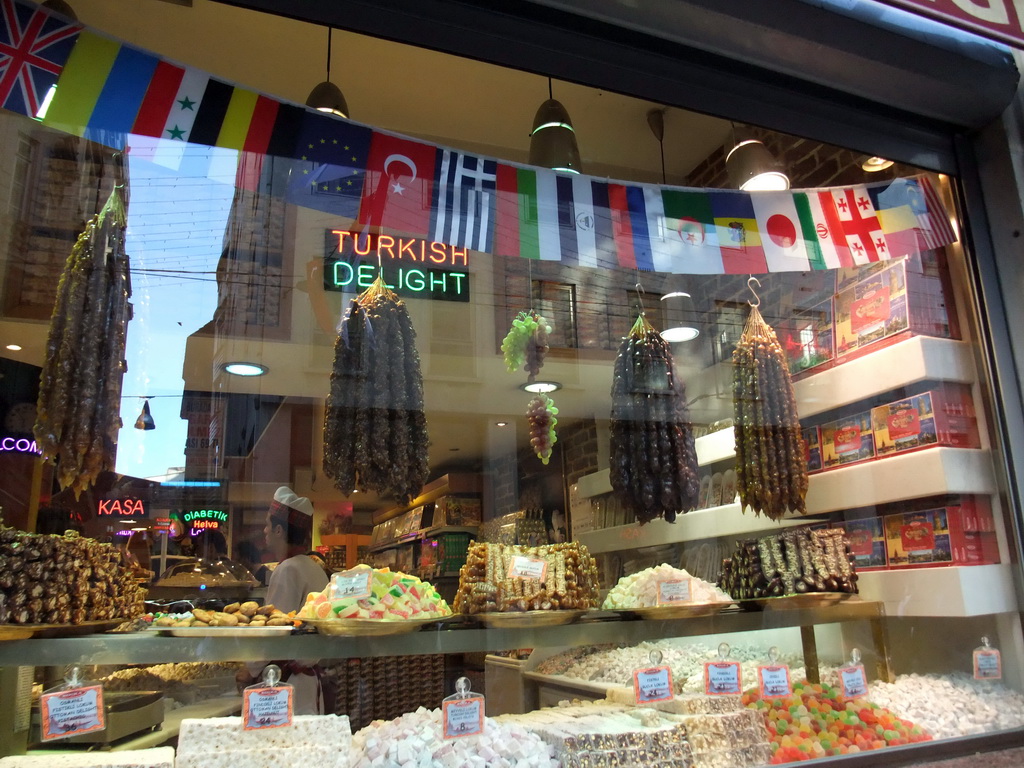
(289, 533)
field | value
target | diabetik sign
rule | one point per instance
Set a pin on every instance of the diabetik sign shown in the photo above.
(1001, 20)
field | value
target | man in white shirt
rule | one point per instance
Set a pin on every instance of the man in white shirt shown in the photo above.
(289, 533)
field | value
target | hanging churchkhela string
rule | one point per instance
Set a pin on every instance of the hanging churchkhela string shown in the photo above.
(771, 467)
(653, 459)
(375, 431)
(78, 411)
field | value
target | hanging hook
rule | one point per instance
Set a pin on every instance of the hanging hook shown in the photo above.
(750, 285)
(640, 298)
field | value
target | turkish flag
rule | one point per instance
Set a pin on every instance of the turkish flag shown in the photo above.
(398, 189)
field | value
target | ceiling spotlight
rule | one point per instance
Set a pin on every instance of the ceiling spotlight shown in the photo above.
(553, 139)
(245, 369)
(14, 347)
(145, 420)
(876, 163)
(540, 387)
(501, 423)
(752, 168)
(326, 96)
(683, 331)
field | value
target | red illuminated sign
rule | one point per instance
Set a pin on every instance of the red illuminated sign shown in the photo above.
(998, 19)
(122, 507)
(408, 249)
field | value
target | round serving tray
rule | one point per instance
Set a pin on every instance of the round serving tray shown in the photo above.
(528, 619)
(797, 602)
(681, 611)
(369, 627)
(240, 631)
(24, 631)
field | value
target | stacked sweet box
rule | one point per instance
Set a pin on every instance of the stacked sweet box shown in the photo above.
(961, 533)
(940, 416)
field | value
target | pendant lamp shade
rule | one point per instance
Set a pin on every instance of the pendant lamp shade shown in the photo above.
(752, 168)
(61, 7)
(326, 96)
(553, 140)
(145, 420)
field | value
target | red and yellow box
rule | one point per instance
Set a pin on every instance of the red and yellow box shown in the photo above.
(942, 536)
(847, 441)
(942, 416)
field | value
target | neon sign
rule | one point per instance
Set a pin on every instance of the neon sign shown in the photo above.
(195, 516)
(18, 445)
(406, 264)
(121, 507)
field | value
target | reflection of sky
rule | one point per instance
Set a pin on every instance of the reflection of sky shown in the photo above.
(176, 221)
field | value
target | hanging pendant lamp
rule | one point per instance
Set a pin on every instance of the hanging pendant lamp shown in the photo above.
(752, 168)
(61, 7)
(145, 420)
(553, 139)
(326, 96)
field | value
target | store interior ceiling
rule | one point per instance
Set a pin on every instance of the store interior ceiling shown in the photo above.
(432, 96)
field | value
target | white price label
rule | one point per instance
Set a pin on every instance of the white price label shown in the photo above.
(463, 717)
(853, 681)
(528, 568)
(774, 681)
(722, 678)
(351, 584)
(654, 684)
(72, 712)
(267, 707)
(988, 665)
(672, 592)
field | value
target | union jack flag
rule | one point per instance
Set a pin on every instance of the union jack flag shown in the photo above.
(33, 49)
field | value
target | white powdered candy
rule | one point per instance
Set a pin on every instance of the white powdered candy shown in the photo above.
(640, 590)
(323, 741)
(414, 740)
(159, 757)
(947, 706)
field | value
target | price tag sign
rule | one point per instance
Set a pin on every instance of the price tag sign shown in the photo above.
(722, 678)
(988, 665)
(354, 584)
(463, 717)
(853, 682)
(72, 712)
(266, 707)
(528, 568)
(774, 681)
(672, 592)
(654, 684)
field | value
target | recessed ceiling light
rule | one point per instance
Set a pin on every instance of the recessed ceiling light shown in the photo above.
(873, 164)
(501, 423)
(541, 386)
(245, 369)
(680, 333)
(14, 347)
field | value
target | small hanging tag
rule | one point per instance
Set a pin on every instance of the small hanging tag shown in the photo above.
(462, 714)
(673, 592)
(653, 683)
(988, 662)
(528, 568)
(773, 678)
(722, 677)
(72, 709)
(351, 584)
(853, 681)
(267, 704)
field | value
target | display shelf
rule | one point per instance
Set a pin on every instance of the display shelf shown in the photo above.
(727, 520)
(717, 446)
(928, 472)
(453, 483)
(953, 591)
(920, 358)
(424, 533)
(149, 648)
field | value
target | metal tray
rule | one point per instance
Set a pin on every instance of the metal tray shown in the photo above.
(241, 631)
(681, 611)
(528, 619)
(370, 627)
(797, 602)
(25, 631)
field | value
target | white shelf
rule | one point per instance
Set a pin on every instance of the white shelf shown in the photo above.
(728, 520)
(929, 472)
(920, 358)
(967, 590)
(710, 448)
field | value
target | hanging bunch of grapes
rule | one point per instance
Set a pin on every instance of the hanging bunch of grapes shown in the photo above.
(526, 344)
(541, 416)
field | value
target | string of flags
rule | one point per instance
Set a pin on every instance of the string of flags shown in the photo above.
(113, 93)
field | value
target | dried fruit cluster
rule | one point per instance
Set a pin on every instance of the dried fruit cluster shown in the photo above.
(789, 563)
(79, 405)
(569, 580)
(771, 465)
(653, 459)
(63, 579)
(375, 430)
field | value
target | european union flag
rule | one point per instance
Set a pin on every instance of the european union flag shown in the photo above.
(329, 164)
